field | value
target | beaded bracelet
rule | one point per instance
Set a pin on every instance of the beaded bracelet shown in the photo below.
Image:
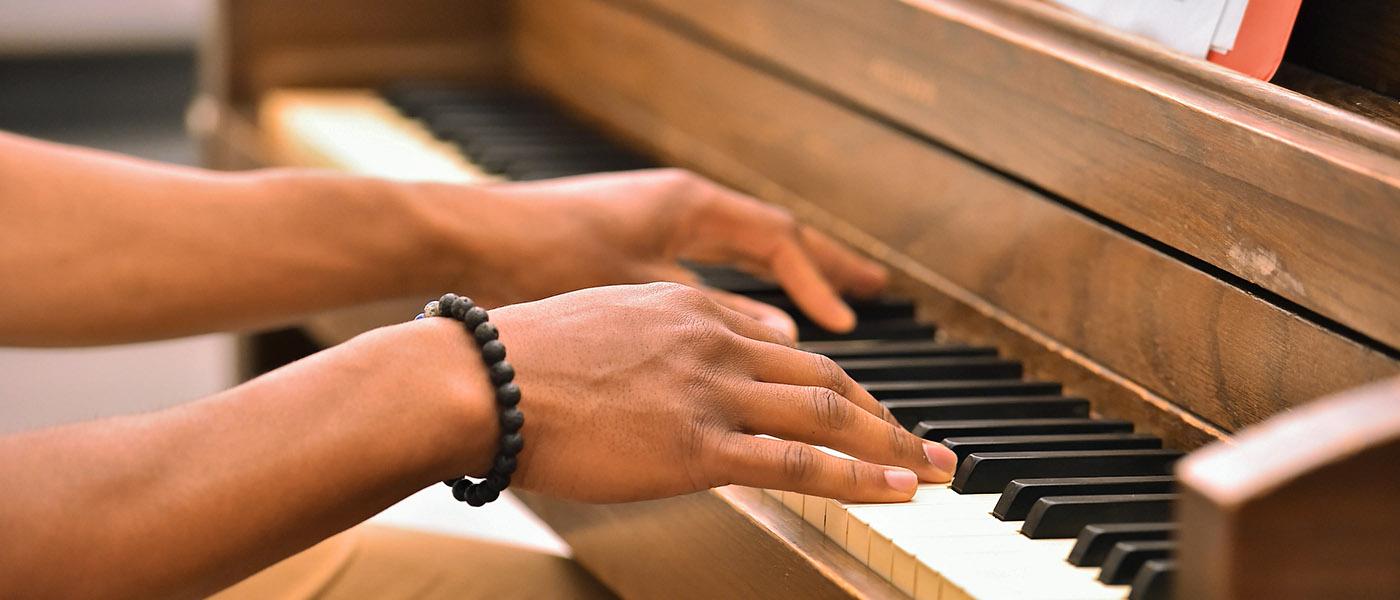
(493, 354)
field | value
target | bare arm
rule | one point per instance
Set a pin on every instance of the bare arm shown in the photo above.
(98, 248)
(187, 500)
(629, 393)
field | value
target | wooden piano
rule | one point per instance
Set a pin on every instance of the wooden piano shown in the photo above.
(1147, 242)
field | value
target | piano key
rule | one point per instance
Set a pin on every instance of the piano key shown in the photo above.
(733, 280)
(866, 309)
(937, 430)
(1126, 558)
(935, 367)
(1000, 567)
(963, 446)
(908, 390)
(1020, 494)
(1065, 516)
(1097, 539)
(989, 472)
(893, 349)
(1155, 580)
(500, 162)
(890, 329)
(910, 412)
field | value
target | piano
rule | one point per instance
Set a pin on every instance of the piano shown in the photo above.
(1124, 278)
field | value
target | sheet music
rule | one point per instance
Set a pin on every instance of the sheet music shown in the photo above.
(1224, 40)
(1192, 27)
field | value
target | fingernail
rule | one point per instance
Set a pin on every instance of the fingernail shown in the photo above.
(941, 457)
(902, 480)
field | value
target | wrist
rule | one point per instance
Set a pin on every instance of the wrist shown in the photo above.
(448, 389)
(396, 233)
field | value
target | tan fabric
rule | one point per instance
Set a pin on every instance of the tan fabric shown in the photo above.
(375, 561)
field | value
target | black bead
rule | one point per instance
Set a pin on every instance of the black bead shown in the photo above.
(511, 420)
(504, 464)
(493, 352)
(485, 332)
(451, 482)
(445, 303)
(474, 496)
(512, 444)
(508, 395)
(474, 317)
(460, 489)
(501, 373)
(460, 308)
(497, 481)
(488, 494)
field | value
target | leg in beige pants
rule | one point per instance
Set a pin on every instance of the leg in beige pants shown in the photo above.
(375, 561)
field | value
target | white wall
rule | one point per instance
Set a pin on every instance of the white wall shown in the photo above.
(42, 26)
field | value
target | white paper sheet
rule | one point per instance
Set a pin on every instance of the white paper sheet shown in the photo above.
(1188, 26)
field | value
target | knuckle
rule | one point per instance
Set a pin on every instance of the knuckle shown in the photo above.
(799, 463)
(829, 409)
(829, 374)
(853, 473)
(903, 443)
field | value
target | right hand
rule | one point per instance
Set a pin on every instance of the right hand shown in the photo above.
(647, 391)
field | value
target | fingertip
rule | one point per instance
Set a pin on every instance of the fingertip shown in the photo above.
(842, 319)
(942, 459)
(902, 481)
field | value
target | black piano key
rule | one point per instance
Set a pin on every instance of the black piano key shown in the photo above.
(1065, 516)
(937, 430)
(963, 446)
(907, 390)
(469, 121)
(531, 168)
(499, 162)
(866, 309)
(1155, 580)
(1097, 539)
(935, 367)
(1126, 558)
(893, 349)
(733, 280)
(885, 329)
(1016, 500)
(481, 142)
(910, 412)
(987, 473)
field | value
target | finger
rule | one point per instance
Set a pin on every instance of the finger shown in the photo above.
(817, 415)
(734, 228)
(797, 467)
(848, 271)
(790, 366)
(765, 313)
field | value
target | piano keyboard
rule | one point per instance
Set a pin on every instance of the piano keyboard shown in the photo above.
(1048, 502)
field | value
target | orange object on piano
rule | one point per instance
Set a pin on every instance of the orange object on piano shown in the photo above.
(1262, 38)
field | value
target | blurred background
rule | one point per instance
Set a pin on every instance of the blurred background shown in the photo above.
(118, 76)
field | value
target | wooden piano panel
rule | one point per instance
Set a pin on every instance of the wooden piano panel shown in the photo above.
(258, 45)
(1227, 169)
(731, 542)
(960, 230)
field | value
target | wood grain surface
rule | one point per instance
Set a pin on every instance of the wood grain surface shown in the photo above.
(1301, 507)
(730, 542)
(257, 45)
(1283, 191)
(949, 223)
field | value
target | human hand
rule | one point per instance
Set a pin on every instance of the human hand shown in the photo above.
(637, 392)
(636, 227)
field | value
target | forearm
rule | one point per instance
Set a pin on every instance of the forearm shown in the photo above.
(187, 500)
(96, 248)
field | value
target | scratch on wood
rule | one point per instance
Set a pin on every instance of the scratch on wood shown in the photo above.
(1263, 266)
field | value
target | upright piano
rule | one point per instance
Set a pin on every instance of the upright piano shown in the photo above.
(1124, 277)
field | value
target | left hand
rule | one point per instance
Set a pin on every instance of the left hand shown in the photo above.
(636, 227)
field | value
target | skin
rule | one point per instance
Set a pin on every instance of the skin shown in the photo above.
(630, 391)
